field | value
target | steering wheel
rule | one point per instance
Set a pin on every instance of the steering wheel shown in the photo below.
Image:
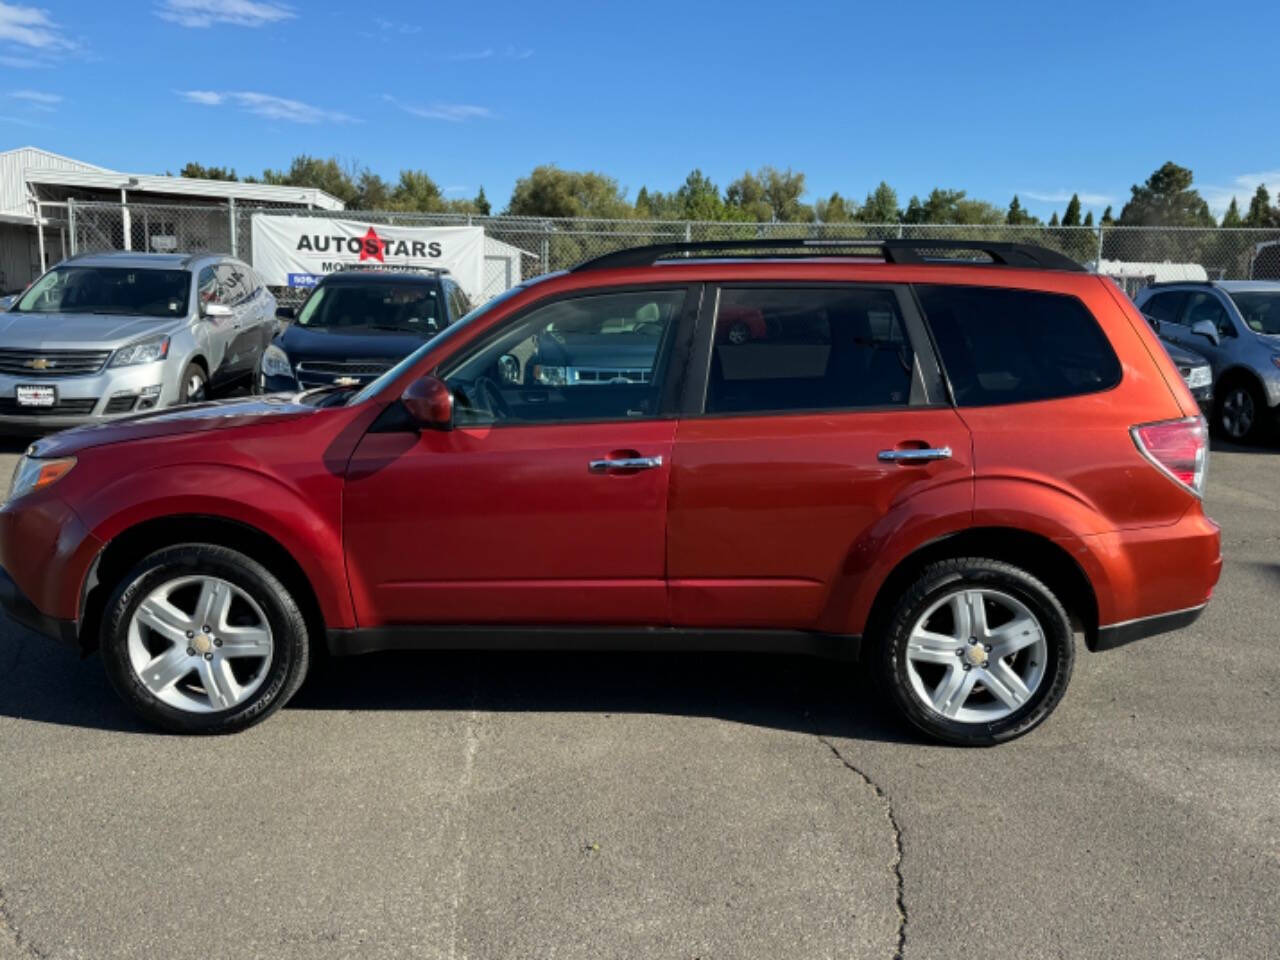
(488, 394)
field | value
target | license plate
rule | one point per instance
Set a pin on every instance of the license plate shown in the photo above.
(37, 396)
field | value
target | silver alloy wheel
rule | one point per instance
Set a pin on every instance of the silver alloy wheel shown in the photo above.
(200, 644)
(976, 656)
(195, 388)
(1237, 413)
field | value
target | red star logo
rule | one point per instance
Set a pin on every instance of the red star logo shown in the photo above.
(372, 247)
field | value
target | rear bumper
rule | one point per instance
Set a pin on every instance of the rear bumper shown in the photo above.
(20, 608)
(1118, 634)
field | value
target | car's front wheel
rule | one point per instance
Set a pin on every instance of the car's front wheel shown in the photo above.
(977, 652)
(1240, 411)
(195, 385)
(199, 638)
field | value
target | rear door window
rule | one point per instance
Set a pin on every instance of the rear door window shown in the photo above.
(1016, 346)
(785, 349)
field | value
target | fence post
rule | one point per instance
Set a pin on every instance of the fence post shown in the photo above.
(40, 235)
(231, 216)
(546, 246)
(126, 222)
(71, 225)
(688, 232)
(1097, 263)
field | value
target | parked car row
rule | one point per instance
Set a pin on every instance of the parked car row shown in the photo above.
(946, 469)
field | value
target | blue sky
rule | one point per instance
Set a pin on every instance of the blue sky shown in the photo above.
(996, 98)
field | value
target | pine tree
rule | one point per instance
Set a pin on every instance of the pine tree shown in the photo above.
(1053, 221)
(1232, 217)
(482, 203)
(1071, 218)
(1260, 212)
(1088, 219)
(1107, 218)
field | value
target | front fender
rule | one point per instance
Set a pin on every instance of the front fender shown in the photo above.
(308, 527)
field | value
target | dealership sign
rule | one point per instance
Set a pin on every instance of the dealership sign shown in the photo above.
(298, 251)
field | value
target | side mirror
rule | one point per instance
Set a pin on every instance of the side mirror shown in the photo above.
(1152, 322)
(286, 313)
(430, 403)
(215, 310)
(1206, 329)
(509, 369)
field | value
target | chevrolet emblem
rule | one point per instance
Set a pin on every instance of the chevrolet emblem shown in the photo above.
(347, 382)
(40, 363)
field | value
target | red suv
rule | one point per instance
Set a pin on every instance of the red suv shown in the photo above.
(947, 466)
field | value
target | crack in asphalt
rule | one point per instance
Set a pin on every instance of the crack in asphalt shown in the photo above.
(900, 950)
(22, 943)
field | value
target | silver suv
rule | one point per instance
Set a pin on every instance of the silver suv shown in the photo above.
(1235, 325)
(105, 335)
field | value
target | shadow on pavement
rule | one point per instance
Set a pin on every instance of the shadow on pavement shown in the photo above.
(1218, 445)
(44, 682)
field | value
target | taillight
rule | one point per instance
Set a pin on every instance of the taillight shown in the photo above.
(1180, 448)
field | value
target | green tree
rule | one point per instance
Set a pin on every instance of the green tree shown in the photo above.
(699, 199)
(1261, 213)
(881, 206)
(1107, 218)
(1232, 217)
(196, 171)
(481, 203)
(769, 194)
(1053, 220)
(1088, 219)
(1071, 216)
(549, 191)
(836, 209)
(1166, 200)
(372, 192)
(415, 190)
(1017, 215)
(951, 206)
(328, 175)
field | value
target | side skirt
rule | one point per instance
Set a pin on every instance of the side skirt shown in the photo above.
(635, 639)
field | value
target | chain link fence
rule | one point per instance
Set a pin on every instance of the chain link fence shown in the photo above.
(1133, 256)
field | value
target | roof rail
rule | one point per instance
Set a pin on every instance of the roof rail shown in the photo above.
(893, 251)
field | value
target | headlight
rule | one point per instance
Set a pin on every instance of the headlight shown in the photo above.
(144, 351)
(34, 474)
(1199, 377)
(275, 363)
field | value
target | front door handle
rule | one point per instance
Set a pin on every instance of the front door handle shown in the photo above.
(623, 463)
(923, 455)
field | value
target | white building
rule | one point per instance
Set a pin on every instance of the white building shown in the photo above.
(35, 186)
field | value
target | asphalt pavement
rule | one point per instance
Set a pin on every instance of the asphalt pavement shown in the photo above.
(597, 806)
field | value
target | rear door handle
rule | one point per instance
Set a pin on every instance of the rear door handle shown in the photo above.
(623, 463)
(915, 456)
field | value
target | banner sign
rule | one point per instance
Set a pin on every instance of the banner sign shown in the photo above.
(298, 251)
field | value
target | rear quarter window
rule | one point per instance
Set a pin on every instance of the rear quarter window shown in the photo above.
(1017, 346)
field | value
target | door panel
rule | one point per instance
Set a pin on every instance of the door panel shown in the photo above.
(769, 514)
(508, 524)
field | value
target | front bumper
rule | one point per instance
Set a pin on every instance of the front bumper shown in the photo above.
(20, 608)
(112, 393)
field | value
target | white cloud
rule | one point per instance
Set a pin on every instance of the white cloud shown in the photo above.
(31, 27)
(453, 112)
(1242, 188)
(206, 13)
(508, 52)
(393, 26)
(267, 105)
(1063, 196)
(36, 97)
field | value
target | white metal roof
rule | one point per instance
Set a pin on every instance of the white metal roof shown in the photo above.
(1163, 271)
(183, 186)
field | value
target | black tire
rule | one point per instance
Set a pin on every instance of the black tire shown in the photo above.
(1227, 398)
(934, 583)
(187, 393)
(290, 655)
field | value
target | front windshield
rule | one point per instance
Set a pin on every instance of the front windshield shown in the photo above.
(374, 387)
(1261, 310)
(411, 308)
(109, 290)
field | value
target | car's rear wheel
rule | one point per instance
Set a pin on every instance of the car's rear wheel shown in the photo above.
(203, 639)
(1240, 411)
(195, 384)
(977, 652)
